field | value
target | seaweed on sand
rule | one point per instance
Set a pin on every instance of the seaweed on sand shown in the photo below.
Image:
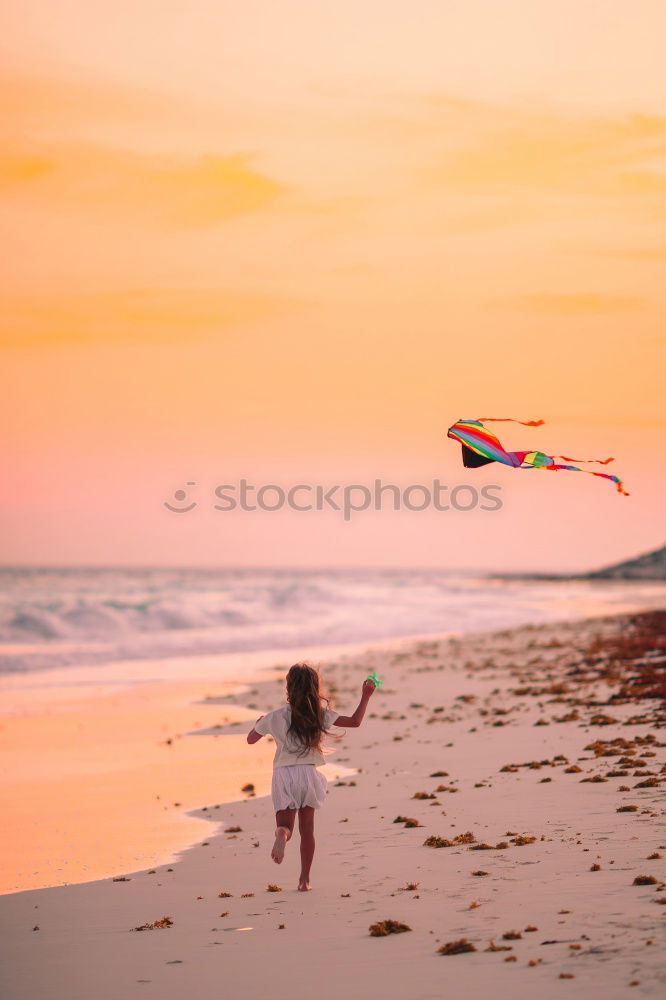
(385, 927)
(456, 947)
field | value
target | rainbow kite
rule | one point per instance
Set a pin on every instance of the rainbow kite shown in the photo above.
(479, 447)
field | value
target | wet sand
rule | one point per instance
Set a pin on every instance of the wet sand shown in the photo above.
(80, 745)
(513, 751)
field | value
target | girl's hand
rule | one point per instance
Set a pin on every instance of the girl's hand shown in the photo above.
(368, 689)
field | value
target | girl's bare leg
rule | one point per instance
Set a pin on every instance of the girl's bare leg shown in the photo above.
(284, 823)
(306, 830)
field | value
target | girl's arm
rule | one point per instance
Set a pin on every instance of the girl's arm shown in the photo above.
(355, 720)
(253, 736)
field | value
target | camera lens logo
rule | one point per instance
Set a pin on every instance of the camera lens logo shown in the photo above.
(181, 496)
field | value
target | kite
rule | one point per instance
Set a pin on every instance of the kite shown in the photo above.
(480, 447)
(374, 678)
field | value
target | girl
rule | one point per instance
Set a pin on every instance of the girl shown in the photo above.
(297, 785)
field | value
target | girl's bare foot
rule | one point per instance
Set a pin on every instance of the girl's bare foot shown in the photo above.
(304, 885)
(282, 835)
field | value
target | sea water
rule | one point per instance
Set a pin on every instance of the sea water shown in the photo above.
(59, 617)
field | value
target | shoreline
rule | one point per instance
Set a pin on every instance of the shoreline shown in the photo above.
(492, 712)
(157, 826)
(123, 724)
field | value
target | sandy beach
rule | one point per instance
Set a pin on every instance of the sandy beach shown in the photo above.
(527, 766)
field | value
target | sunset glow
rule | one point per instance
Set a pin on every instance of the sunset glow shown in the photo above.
(296, 241)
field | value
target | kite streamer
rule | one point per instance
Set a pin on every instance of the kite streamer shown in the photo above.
(480, 446)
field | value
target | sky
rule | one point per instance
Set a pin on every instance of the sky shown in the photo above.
(294, 242)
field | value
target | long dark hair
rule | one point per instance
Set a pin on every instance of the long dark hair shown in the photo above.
(307, 712)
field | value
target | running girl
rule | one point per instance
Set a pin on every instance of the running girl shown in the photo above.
(298, 787)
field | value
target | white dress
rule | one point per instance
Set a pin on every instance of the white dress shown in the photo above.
(298, 785)
(296, 780)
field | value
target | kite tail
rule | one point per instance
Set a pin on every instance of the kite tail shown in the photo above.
(525, 423)
(619, 485)
(598, 461)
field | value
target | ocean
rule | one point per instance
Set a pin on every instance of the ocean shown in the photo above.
(59, 617)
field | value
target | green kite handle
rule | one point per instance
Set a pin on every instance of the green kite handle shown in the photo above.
(374, 678)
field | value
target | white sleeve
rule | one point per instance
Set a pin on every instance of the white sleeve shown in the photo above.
(263, 725)
(330, 716)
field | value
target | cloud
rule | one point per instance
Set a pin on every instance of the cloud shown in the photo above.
(147, 314)
(16, 167)
(176, 191)
(647, 254)
(476, 145)
(568, 303)
(72, 107)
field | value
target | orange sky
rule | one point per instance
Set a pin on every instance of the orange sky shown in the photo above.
(295, 241)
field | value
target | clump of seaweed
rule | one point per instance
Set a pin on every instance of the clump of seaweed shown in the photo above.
(498, 947)
(456, 947)
(511, 936)
(627, 809)
(409, 821)
(602, 719)
(155, 925)
(424, 795)
(464, 838)
(273, 888)
(435, 841)
(384, 927)
(522, 839)
(645, 880)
